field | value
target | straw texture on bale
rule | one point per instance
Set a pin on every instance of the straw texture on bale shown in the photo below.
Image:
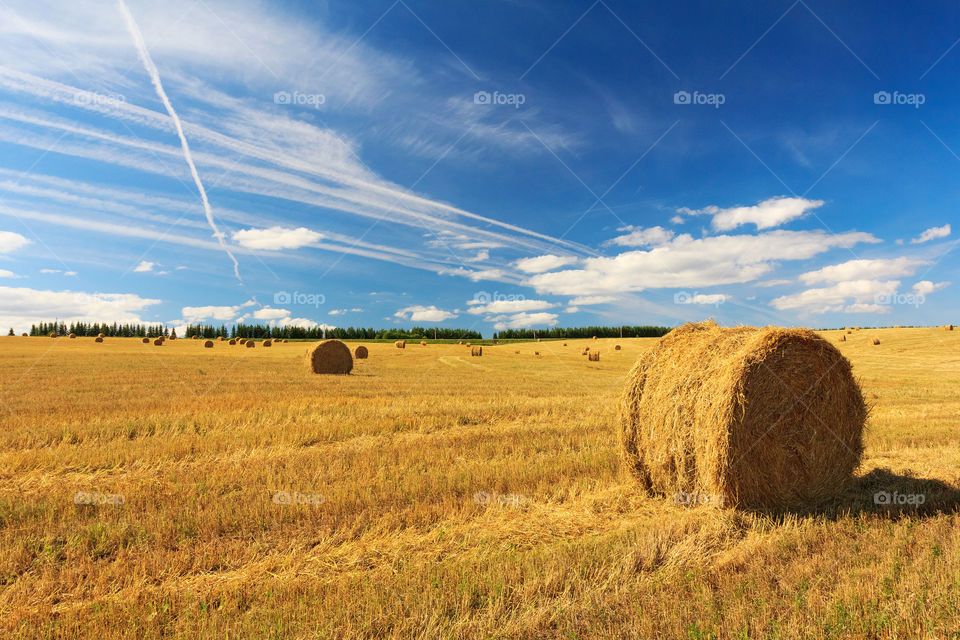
(249, 344)
(145, 340)
(593, 356)
(208, 344)
(360, 353)
(98, 339)
(765, 418)
(476, 351)
(330, 356)
(158, 342)
(400, 344)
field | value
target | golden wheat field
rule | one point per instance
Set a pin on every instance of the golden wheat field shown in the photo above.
(180, 491)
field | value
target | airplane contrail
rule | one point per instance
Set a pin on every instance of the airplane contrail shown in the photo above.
(155, 79)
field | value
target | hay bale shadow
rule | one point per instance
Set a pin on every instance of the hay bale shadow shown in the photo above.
(887, 495)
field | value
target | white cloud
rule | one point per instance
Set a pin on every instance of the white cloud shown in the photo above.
(677, 220)
(771, 283)
(192, 315)
(340, 312)
(640, 237)
(420, 313)
(769, 213)
(689, 262)
(524, 320)
(10, 241)
(7, 274)
(145, 266)
(508, 306)
(571, 310)
(855, 296)
(864, 270)
(540, 264)
(926, 287)
(482, 255)
(20, 307)
(269, 313)
(69, 273)
(588, 300)
(475, 275)
(49, 270)
(276, 238)
(933, 233)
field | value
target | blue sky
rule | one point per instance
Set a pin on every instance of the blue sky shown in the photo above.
(487, 165)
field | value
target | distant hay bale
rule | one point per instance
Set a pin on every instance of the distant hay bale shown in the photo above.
(208, 344)
(616, 348)
(400, 344)
(100, 335)
(594, 337)
(72, 336)
(468, 344)
(460, 342)
(564, 344)
(876, 341)
(171, 338)
(539, 339)
(196, 337)
(849, 332)
(220, 338)
(517, 351)
(536, 353)
(476, 351)
(241, 341)
(423, 343)
(284, 342)
(330, 356)
(232, 342)
(843, 338)
(267, 343)
(586, 348)
(53, 334)
(25, 335)
(360, 353)
(98, 339)
(593, 356)
(158, 342)
(949, 327)
(145, 340)
(249, 344)
(766, 418)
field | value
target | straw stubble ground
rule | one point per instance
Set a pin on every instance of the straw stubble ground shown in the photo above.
(443, 496)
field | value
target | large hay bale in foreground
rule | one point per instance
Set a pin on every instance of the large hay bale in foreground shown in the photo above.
(401, 344)
(330, 356)
(476, 351)
(208, 344)
(768, 418)
(361, 353)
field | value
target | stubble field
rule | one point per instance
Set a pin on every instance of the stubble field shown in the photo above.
(430, 494)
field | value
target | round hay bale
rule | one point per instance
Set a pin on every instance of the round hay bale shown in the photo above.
(586, 348)
(208, 344)
(766, 418)
(72, 336)
(361, 353)
(196, 337)
(232, 342)
(98, 339)
(220, 338)
(158, 342)
(468, 344)
(843, 337)
(616, 348)
(242, 341)
(594, 356)
(423, 343)
(594, 337)
(25, 335)
(539, 339)
(53, 334)
(267, 343)
(476, 351)
(330, 356)
(949, 327)
(536, 353)
(401, 344)
(145, 340)
(284, 342)
(516, 352)
(100, 335)
(564, 344)
(249, 344)
(876, 341)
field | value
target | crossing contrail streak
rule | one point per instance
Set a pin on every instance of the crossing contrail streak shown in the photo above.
(155, 79)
